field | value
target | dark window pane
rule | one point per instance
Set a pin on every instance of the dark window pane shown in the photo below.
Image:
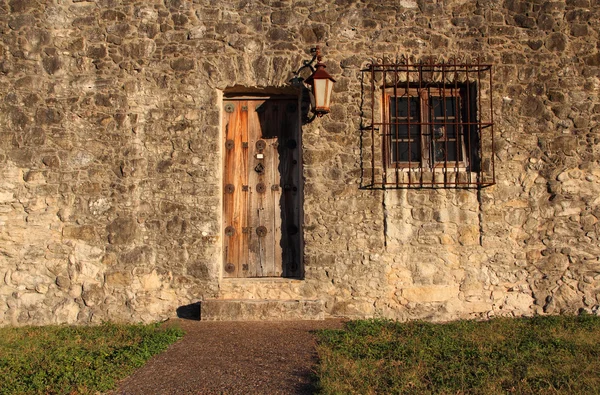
(400, 131)
(405, 147)
(401, 107)
(444, 130)
(451, 131)
(443, 133)
(403, 151)
(440, 150)
(450, 108)
(438, 132)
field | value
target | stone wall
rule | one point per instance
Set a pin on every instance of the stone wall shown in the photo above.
(110, 158)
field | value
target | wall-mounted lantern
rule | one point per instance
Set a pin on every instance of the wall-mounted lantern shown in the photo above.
(321, 87)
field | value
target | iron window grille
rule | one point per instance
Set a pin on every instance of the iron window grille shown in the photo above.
(434, 124)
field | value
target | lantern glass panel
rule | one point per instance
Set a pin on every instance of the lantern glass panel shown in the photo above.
(320, 92)
(328, 94)
(322, 89)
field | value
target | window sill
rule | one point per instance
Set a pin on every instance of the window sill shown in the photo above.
(417, 168)
(438, 177)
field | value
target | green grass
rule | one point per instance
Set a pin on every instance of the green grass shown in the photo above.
(76, 360)
(540, 355)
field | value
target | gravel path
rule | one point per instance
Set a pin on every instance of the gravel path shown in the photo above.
(233, 358)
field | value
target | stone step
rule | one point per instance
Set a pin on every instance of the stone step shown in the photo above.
(268, 288)
(261, 310)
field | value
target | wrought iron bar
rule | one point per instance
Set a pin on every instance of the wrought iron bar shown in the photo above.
(372, 126)
(385, 132)
(492, 160)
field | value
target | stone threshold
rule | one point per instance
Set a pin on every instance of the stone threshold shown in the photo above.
(261, 310)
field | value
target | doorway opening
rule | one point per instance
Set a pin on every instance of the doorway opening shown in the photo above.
(262, 187)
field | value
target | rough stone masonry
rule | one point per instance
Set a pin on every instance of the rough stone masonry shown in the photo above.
(111, 159)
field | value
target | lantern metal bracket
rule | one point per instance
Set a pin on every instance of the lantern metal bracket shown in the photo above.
(316, 52)
(298, 81)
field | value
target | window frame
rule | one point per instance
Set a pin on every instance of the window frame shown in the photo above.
(427, 119)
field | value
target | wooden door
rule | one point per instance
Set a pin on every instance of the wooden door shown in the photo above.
(261, 187)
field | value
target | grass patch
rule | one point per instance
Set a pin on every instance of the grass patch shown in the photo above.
(525, 356)
(76, 360)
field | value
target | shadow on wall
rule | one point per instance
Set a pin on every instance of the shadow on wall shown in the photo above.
(189, 312)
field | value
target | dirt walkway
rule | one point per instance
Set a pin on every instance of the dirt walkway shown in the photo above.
(233, 358)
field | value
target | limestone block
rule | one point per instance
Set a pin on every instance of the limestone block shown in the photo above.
(423, 270)
(472, 285)
(123, 230)
(66, 312)
(422, 214)
(6, 197)
(75, 291)
(42, 288)
(566, 299)
(556, 42)
(409, 3)
(477, 307)
(468, 235)
(92, 294)
(515, 217)
(455, 307)
(118, 279)
(80, 159)
(138, 257)
(86, 271)
(447, 240)
(99, 206)
(63, 282)
(30, 300)
(430, 293)
(352, 308)
(35, 204)
(568, 211)
(85, 232)
(521, 302)
(150, 281)
(167, 295)
(554, 265)
(40, 220)
(26, 280)
(109, 259)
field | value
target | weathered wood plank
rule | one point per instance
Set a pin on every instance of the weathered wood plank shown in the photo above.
(271, 206)
(229, 252)
(242, 170)
(254, 201)
(235, 203)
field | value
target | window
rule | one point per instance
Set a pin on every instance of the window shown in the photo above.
(427, 127)
(434, 124)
